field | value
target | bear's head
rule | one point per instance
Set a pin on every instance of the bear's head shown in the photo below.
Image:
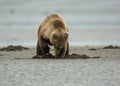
(59, 39)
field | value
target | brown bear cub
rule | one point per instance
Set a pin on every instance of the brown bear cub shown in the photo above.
(53, 31)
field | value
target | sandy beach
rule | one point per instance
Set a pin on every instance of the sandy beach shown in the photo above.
(17, 68)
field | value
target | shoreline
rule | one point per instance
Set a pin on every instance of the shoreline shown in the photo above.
(76, 52)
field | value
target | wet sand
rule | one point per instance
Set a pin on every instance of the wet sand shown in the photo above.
(17, 68)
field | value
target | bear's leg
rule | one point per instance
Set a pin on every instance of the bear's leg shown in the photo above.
(45, 49)
(67, 51)
(38, 49)
(39, 52)
(60, 53)
(42, 49)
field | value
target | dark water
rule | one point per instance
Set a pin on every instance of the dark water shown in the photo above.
(90, 22)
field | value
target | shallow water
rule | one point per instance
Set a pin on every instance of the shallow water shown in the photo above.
(90, 22)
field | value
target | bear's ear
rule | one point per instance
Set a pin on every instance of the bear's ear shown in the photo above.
(66, 35)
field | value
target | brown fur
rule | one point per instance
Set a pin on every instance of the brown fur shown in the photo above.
(53, 31)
